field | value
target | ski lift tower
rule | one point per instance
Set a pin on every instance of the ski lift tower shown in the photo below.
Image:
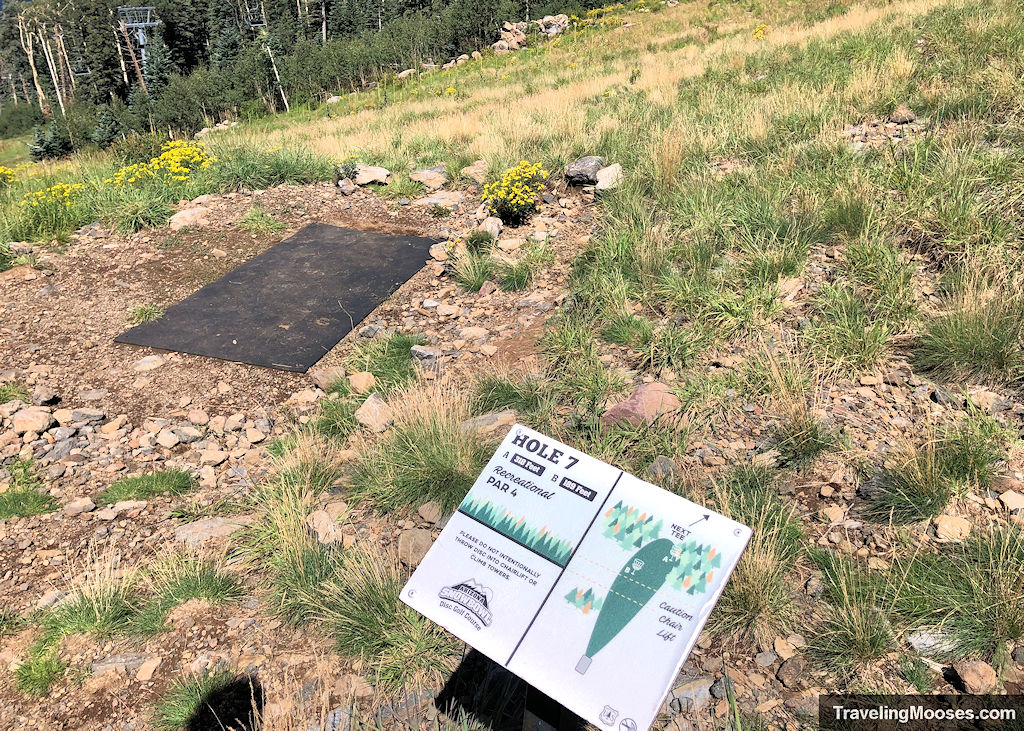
(138, 20)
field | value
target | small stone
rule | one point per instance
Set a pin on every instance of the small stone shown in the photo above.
(323, 525)
(49, 599)
(430, 512)
(978, 677)
(44, 396)
(212, 457)
(147, 669)
(375, 414)
(439, 252)
(450, 199)
(691, 696)
(647, 404)
(609, 178)
(325, 378)
(198, 417)
(199, 531)
(362, 382)
(149, 363)
(423, 354)
(35, 419)
(413, 546)
(367, 174)
(902, 115)
(346, 186)
(167, 438)
(492, 225)
(254, 436)
(491, 423)
(765, 659)
(476, 172)
(662, 468)
(79, 506)
(790, 671)
(1013, 500)
(584, 171)
(434, 177)
(195, 217)
(784, 648)
(487, 288)
(951, 528)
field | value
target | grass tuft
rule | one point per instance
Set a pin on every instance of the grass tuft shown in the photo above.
(472, 270)
(801, 437)
(258, 222)
(190, 699)
(388, 359)
(144, 487)
(145, 313)
(14, 392)
(24, 498)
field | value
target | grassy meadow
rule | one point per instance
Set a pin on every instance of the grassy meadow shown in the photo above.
(741, 187)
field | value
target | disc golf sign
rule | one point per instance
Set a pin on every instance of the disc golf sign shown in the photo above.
(588, 583)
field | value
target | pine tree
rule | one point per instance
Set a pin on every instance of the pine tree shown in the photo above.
(158, 65)
(96, 24)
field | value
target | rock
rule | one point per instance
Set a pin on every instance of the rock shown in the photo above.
(509, 245)
(196, 217)
(951, 528)
(368, 174)
(212, 457)
(362, 382)
(146, 669)
(167, 438)
(35, 419)
(662, 468)
(149, 363)
(784, 648)
(609, 178)
(198, 417)
(439, 252)
(977, 676)
(492, 225)
(721, 687)
(446, 310)
(789, 672)
(121, 663)
(49, 599)
(496, 421)
(93, 394)
(90, 416)
(488, 287)
(333, 99)
(374, 414)
(423, 353)
(254, 436)
(413, 546)
(346, 186)
(79, 506)
(1013, 500)
(648, 403)
(323, 525)
(931, 643)
(405, 74)
(44, 396)
(204, 529)
(765, 659)
(326, 378)
(691, 696)
(450, 199)
(433, 178)
(430, 512)
(1018, 655)
(478, 170)
(584, 171)
(902, 115)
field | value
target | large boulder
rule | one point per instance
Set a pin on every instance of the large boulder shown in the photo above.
(609, 177)
(584, 171)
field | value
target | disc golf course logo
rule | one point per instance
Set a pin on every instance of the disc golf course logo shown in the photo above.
(470, 600)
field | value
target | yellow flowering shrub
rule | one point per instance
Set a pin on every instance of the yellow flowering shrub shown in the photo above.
(6, 176)
(50, 211)
(175, 164)
(760, 32)
(514, 196)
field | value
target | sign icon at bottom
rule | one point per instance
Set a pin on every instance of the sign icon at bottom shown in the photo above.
(627, 724)
(608, 715)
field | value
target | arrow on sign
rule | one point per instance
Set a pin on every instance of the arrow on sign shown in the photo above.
(706, 517)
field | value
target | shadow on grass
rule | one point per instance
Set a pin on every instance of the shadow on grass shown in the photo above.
(485, 692)
(238, 706)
